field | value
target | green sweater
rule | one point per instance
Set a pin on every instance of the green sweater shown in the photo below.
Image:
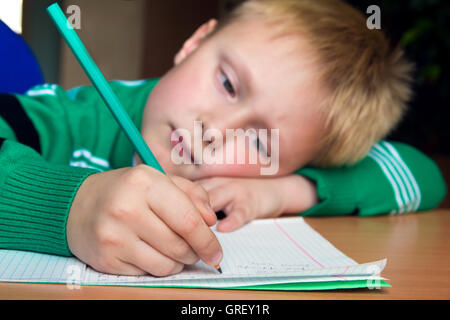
(52, 139)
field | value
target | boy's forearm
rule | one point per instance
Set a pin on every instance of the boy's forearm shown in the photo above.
(298, 193)
(394, 178)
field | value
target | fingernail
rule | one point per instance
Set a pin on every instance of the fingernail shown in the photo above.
(208, 207)
(217, 258)
(225, 225)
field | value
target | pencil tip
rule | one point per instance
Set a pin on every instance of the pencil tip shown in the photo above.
(219, 269)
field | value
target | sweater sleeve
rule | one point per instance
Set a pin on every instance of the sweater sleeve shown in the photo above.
(51, 141)
(393, 179)
(35, 194)
(35, 199)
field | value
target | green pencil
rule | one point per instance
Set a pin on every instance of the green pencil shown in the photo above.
(108, 95)
(99, 81)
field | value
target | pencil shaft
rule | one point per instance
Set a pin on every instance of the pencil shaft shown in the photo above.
(104, 89)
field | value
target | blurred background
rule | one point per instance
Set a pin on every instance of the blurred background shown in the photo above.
(128, 39)
(422, 28)
(135, 39)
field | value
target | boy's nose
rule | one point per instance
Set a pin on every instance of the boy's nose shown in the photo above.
(235, 119)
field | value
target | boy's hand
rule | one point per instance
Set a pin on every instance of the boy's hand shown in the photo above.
(134, 221)
(243, 200)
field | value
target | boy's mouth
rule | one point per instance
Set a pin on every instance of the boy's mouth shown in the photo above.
(175, 139)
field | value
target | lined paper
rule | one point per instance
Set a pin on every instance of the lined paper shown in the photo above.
(262, 252)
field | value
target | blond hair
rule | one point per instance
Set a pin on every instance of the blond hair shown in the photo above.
(368, 82)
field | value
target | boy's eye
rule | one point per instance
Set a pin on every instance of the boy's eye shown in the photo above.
(227, 84)
(259, 146)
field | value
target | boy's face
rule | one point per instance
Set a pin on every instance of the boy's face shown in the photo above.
(239, 77)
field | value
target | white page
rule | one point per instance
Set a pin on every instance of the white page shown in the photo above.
(262, 252)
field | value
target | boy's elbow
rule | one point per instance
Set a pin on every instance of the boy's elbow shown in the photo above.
(435, 190)
(424, 178)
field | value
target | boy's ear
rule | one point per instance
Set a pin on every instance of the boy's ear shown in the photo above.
(194, 41)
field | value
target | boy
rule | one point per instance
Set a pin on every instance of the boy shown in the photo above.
(307, 68)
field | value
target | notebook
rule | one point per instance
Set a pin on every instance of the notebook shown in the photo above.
(269, 254)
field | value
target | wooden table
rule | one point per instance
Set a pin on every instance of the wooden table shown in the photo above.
(417, 247)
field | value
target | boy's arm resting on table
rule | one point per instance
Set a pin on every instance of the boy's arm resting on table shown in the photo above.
(394, 178)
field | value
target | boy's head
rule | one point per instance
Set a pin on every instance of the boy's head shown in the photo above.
(310, 68)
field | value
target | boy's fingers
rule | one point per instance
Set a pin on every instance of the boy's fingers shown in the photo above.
(191, 188)
(236, 219)
(220, 197)
(175, 208)
(199, 197)
(118, 266)
(127, 269)
(211, 183)
(151, 261)
(158, 235)
(208, 214)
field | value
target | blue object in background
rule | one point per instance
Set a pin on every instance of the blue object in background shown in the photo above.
(19, 69)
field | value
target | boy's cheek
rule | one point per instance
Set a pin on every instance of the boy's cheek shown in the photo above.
(176, 90)
(237, 164)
